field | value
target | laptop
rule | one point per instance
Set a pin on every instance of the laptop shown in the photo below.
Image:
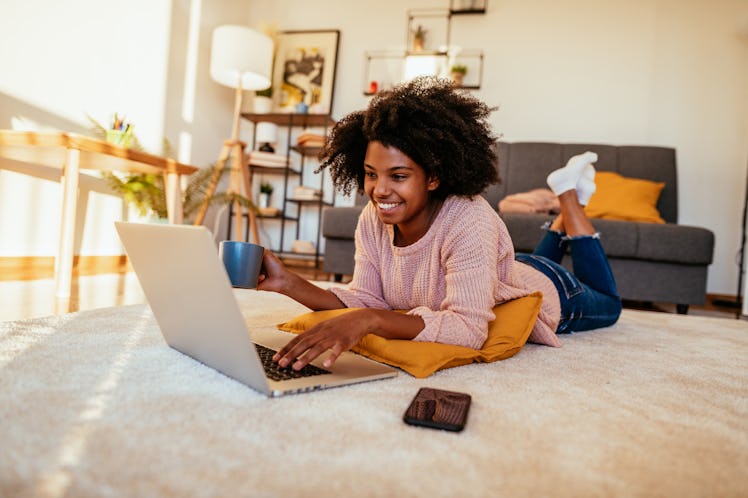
(193, 302)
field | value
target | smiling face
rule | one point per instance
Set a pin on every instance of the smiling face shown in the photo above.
(400, 190)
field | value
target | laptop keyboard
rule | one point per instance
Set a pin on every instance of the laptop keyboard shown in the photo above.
(274, 371)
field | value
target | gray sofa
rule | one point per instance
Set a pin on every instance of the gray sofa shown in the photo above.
(664, 263)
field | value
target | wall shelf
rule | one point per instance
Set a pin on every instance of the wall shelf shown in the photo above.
(385, 68)
(459, 7)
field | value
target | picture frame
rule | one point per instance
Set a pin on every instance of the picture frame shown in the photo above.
(304, 71)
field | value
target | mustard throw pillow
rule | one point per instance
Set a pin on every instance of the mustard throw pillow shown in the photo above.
(621, 198)
(506, 336)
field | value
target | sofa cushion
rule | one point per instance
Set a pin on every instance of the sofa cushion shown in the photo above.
(667, 242)
(621, 198)
(675, 243)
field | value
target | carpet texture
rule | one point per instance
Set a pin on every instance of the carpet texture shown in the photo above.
(95, 404)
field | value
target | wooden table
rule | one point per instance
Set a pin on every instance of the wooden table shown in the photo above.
(72, 153)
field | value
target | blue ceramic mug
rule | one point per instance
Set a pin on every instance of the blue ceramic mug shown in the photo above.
(243, 261)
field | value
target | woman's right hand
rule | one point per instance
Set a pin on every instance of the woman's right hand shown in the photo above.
(274, 276)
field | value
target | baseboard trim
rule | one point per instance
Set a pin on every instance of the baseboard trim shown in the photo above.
(38, 267)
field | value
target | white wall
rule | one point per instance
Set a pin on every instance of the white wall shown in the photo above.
(660, 72)
(61, 61)
(147, 59)
(651, 72)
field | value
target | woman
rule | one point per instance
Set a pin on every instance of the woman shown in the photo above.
(429, 244)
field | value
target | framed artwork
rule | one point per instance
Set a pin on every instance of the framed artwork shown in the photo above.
(304, 71)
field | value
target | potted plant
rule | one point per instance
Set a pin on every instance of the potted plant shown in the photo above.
(146, 192)
(419, 38)
(266, 190)
(263, 101)
(458, 72)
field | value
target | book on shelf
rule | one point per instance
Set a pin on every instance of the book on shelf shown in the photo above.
(305, 193)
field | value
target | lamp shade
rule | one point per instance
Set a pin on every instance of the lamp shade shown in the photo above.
(240, 52)
(266, 132)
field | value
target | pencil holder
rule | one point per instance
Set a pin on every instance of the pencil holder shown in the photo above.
(119, 137)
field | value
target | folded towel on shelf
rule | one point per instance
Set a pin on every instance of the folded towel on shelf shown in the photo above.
(303, 192)
(310, 140)
(269, 159)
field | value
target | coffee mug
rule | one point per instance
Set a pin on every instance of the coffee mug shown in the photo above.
(243, 261)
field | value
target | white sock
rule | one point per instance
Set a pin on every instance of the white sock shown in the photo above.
(566, 178)
(586, 185)
(579, 161)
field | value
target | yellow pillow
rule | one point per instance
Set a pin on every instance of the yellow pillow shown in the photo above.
(620, 198)
(506, 336)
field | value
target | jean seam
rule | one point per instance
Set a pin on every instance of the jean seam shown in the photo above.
(575, 291)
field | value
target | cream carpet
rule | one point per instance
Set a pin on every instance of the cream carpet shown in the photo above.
(95, 404)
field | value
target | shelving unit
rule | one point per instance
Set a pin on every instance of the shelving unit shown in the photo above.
(384, 68)
(298, 158)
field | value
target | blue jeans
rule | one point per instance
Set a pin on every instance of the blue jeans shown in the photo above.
(589, 298)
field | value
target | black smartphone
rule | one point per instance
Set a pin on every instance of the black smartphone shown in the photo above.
(438, 409)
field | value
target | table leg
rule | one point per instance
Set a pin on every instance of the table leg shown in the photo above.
(66, 248)
(173, 198)
(248, 193)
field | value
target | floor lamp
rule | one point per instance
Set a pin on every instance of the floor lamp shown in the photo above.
(241, 59)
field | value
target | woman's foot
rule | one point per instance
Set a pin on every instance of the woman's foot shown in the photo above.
(586, 185)
(568, 177)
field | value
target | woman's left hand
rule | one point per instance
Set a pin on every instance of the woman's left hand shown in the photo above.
(337, 334)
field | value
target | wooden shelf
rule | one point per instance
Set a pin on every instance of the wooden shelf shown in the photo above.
(290, 119)
(307, 151)
(309, 201)
(458, 12)
(270, 170)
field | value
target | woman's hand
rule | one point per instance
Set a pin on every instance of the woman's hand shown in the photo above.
(274, 276)
(337, 334)
(341, 333)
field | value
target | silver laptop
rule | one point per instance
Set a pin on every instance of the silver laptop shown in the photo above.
(191, 296)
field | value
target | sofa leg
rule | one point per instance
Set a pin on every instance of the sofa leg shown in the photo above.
(682, 309)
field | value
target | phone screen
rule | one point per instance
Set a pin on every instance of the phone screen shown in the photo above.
(438, 409)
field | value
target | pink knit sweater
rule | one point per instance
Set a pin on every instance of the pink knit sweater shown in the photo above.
(452, 277)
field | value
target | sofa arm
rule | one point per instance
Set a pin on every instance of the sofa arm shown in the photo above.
(340, 222)
(339, 229)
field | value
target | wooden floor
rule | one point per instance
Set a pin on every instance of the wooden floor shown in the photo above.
(33, 295)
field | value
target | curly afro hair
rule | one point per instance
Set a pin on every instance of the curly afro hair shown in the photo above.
(441, 128)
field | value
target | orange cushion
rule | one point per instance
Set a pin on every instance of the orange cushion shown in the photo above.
(506, 336)
(621, 198)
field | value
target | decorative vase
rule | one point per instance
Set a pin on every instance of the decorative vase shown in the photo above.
(264, 200)
(262, 104)
(457, 78)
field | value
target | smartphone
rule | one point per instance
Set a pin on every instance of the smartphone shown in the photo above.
(438, 409)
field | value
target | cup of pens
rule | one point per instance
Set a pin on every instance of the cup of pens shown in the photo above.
(120, 133)
(123, 138)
